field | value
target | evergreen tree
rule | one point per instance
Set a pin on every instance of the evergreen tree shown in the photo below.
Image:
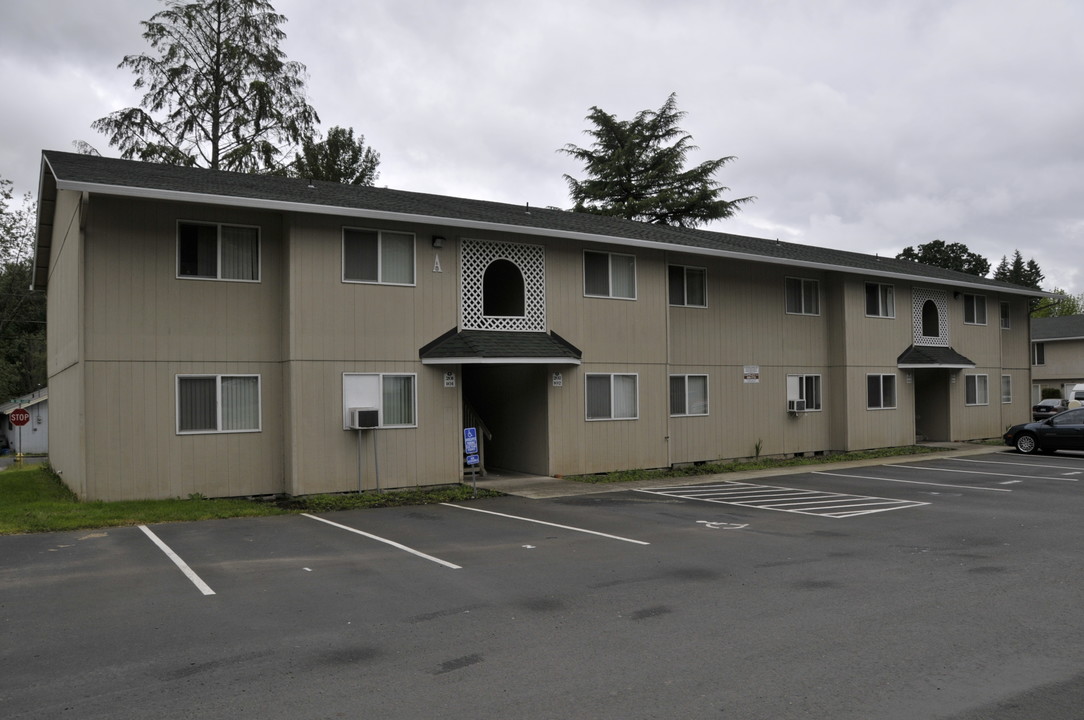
(951, 256)
(220, 92)
(1027, 274)
(22, 312)
(636, 170)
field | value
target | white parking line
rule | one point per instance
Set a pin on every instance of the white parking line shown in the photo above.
(394, 544)
(181, 564)
(543, 522)
(1020, 464)
(978, 472)
(792, 500)
(914, 482)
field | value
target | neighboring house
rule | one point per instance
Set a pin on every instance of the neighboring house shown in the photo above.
(211, 332)
(1057, 354)
(33, 437)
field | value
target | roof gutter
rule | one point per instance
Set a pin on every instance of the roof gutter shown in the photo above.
(301, 207)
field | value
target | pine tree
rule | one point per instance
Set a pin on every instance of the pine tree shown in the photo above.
(636, 170)
(220, 92)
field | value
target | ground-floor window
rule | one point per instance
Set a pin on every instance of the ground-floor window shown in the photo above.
(880, 392)
(1006, 388)
(392, 394)
(612, 396)
(976, 390)
(688, 395)
(218, 403)
(804, 392)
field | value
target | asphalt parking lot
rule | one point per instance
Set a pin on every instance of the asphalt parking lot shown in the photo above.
(921, 588)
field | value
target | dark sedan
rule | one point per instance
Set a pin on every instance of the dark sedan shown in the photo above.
(1047, 408)
(1064, 431)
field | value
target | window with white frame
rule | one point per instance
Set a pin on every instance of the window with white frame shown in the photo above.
(1038, 353)
(213, 251)
(880, 300)
(803, 296)
(218, 403)
(976, 390)
(974, 309)
(806, 388)
(609, 275)
(1006, 388)
(688, 286)
(1006, 318)
(378, 256)
(688, 395)
(612, 396)
(393, 395)
(880, 392)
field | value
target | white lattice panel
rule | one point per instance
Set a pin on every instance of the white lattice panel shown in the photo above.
(919, 296)
(531, 261)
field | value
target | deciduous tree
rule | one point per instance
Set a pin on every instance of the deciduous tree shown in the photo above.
(951, 256)
(338, 158)
(22, 312)
(636, 170)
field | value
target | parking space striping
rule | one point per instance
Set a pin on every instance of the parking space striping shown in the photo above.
(792, 500)
(1018, 464)
(394, 544)
(543, 522)
(976, 472)
(913, 482)
(181, 564)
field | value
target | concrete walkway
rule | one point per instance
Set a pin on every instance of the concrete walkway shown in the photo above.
(536, 487)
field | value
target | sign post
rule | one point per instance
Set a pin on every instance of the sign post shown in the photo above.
(18, 418)
(470, 448)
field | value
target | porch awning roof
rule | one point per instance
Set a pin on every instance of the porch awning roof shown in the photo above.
(476, 347)
(926, 356)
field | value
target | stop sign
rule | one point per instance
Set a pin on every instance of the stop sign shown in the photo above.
(19, 416)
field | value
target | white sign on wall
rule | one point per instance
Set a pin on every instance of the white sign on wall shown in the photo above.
(449, 379)
(751, 373)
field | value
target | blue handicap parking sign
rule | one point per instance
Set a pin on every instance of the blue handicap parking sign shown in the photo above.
(470, 434)
(470, 445)
(472, 459)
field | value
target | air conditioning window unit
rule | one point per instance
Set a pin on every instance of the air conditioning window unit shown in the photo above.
(364, 418)
(795, 405)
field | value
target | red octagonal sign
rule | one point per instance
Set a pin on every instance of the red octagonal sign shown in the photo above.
(19, 416)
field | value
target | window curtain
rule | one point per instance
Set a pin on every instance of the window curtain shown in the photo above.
(240, 403)
(398, 400)
(677, 395)
(624, 394)
(240, 253)
(623, 275)
(397, 258)
(360, 255)
(598, 397)
(696, 293)
(698, 395)
(596, 274)
(196, 404)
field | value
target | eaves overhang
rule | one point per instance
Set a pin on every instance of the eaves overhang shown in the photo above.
(278, 205)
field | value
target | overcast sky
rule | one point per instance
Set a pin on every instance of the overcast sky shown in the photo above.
(862, 125)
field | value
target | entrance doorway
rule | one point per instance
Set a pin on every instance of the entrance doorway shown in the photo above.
(513, 402)
(933, 422)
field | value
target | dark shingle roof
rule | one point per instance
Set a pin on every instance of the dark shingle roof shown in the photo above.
(1058, 328)
(504, 345)
(929, 356)
(111, 175)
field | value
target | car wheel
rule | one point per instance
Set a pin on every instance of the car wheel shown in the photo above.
(1027, 444)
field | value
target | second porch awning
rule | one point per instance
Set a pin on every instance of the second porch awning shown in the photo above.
(475, 347)
(927, 356)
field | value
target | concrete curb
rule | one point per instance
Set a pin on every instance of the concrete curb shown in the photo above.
(539, 488)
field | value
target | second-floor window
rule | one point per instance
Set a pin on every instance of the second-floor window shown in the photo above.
(880, 300)
(974, 309)
(378, 256)
(688, 286)
(211, 251)
(1038, 353)
(803, 296)
(1006, 321)
(609, 275)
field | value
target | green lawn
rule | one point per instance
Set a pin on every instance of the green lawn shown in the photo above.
(33, 499)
